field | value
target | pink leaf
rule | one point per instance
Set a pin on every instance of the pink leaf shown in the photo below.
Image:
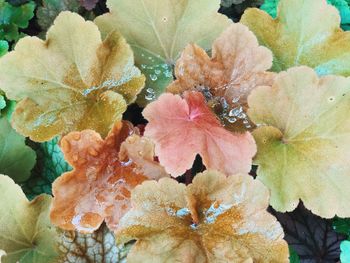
(183, 128)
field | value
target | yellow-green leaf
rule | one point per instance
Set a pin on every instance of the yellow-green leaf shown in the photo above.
(303, 141)
(158, 30)
(304, 33)
(71, 81)
(25, 233)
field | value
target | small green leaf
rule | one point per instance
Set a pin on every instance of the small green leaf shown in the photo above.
(345, 251)
(4, 47)
(293, 256)
(16, 158)
(13, 18)
(26, 233)
(342, 225)
(50, 165)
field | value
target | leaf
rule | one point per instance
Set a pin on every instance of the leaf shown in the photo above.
(4, 47)
(16, 158)
(342, 225)
(293, 256)
(140, 150)
(312, 237)
(237, 66)
(50, 165)
(158, 30)
(302, 142)
(88, 4)
(26, 232)
(89, 90)
(49, 10)
(220, 149)
(2, 102)
(96, 247)
(13, 18)
(304, 33)
(228, 3)
(270, 7)
(99, 186)
(345, 251)
(215, 219)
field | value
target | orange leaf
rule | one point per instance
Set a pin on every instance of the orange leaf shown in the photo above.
(99, 186)
(183, 128)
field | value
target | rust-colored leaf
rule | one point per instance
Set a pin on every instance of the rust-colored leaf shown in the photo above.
(99, 186)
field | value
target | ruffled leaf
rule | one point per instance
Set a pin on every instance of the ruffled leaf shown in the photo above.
(183, 128)
(13, 18)
(16, 158)
(50, 165)
(238, 65)
(158, 30)
(214, 219)
(304, 33)
(90, 89)
(26, 232)
(303, 138)
(99, 186)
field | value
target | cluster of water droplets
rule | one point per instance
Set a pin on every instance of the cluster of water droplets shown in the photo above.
(230, 112)
(155, 72)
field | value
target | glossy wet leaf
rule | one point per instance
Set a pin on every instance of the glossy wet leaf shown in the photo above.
(181, 128)
(345, 251)
(214, 219)
(270, 7)
(310, 236)
(304, 33)
(99, 247)
(158, 30)
(89, 90)
(98, 188)
(50, 165)
(303, 143)
(140, 150)
(16, 158)
(13, 18)
(237, 65)
(26, 232)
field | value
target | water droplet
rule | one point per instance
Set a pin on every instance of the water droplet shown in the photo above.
(231, 119)
(126, 163)
(331, 99)
(143, 66)
(235, 99)
(165, 19)
(142, 55)
(235, 112)
(150, 96)
(153, 77)
(157, 71)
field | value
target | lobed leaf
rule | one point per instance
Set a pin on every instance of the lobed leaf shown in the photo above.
(220, 149)
(89, 90)
(98, 188)
(158, 30)
(302, 142)
(26, 232)
(304, 33)
(238, 65)
(214, 219)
